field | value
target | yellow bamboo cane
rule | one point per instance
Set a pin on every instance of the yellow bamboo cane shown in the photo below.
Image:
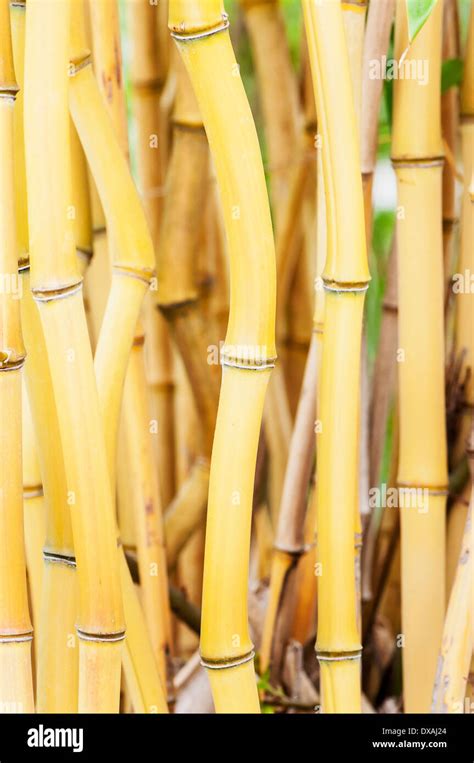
(422, 461)
(34, 512)
(147, 72)
(55, 284)
(16, 684)
(345, 279)
(145, 503)
(200, 30)
(57, 655)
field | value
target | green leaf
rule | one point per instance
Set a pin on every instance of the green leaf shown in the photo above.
(418, 12)
(451, 73)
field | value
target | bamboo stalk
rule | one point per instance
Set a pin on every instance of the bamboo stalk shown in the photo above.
(266, 28)
(376, 40)
(423, 459)
(248, 353)
(55, 284)
(145, 504)
(463, 334)
(57, 667)
(16, 683)
(353, 15)
(57, 657)
(178, 294)
(456, 646)
(277, 92)
(34, 512)
(290, 543)
(132, 248)
(345, 279)
(147, 71)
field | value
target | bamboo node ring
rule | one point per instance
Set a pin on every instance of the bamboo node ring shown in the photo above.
(230, 663)
(35, 491)
(16, 638)
(100, 637)
(264, 366)
(432, 490)
(350, 288)
(48, 295)
(144, 275)
(327, 657)
(74, 69)
(55, 558)
(207, 33)
(428, 163)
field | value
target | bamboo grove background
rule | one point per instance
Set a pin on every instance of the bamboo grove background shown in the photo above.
(236, 356)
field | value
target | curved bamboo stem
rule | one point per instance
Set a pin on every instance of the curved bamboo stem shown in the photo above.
(248, 353)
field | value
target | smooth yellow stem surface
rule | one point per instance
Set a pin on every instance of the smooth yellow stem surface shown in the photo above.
(248, 352)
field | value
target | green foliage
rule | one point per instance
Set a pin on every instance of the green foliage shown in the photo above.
(382, 235)
(293, 16)
(418, 11)
(451, 73)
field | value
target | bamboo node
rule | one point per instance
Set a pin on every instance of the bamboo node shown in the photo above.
(54, 558)
(231, 662)
(293, 551)
(206, 33)
(16, 638)
(423, 164)
(144, 275)
(32, 491)
(101, 637)
(431, 489)
(338, 287)
(23, 264)
(74, 69)
(6, 364)
(339, 656)
(48, 295)
(9, 92)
